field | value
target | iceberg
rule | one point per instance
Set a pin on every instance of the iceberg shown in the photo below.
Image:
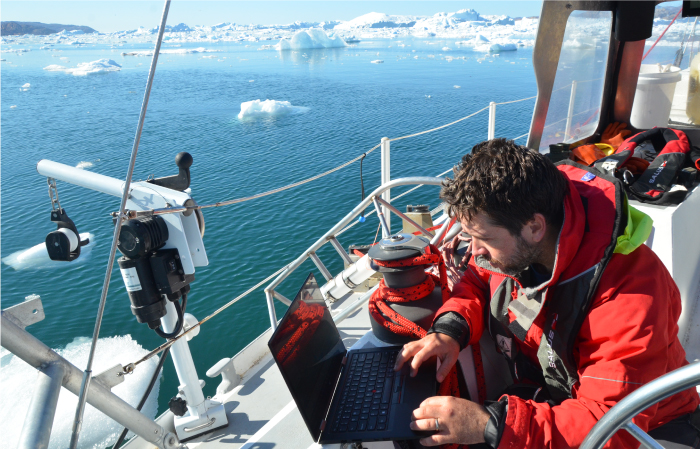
(377, 20)
(310, 39)
(25, 87)
(268, 108)
(377, 61)
(87, 68)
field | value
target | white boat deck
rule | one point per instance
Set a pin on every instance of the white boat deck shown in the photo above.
(261, 412)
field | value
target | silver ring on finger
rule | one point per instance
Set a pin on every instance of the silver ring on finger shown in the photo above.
(437, 425)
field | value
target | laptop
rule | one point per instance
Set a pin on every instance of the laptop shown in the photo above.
(345, 396)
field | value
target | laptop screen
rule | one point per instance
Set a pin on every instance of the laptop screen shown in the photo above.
(309, 352)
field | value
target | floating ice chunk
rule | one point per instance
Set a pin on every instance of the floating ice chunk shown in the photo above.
(87, 68)
(14, 106)
(251, 81)
(268, 108)
(84, 164)
(495, 48)
(456, 86)
(15, 50)
(446, 49)
(25, 87)
(309, 39)
(19, 381)
(209, 56)
(37, 257)
(377, 61)
(176, 51)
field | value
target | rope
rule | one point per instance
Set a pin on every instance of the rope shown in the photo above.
(662, 34)
(439, 127)
(520, 137)
(288, 186)
(517, 101)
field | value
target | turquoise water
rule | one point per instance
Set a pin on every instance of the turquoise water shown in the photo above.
(193, 107)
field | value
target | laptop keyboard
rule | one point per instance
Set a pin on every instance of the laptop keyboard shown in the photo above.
(372, 386)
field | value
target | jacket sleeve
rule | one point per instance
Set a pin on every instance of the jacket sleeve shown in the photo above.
(468, 299)
(628, 339)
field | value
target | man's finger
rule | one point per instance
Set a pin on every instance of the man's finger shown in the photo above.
(418, 360)
(426, 412)
(445, 367)
(424, 424)
(436, 440)
(408, 350)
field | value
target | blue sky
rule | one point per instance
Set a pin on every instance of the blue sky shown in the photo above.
(108, 16)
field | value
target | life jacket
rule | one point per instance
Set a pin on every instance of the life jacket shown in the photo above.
(569, 298)
(667, 150)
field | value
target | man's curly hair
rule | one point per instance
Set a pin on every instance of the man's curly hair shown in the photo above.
(509, 183)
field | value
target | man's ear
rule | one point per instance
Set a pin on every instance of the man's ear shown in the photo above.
(535, 230)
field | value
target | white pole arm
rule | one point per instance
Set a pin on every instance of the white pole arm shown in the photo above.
(82, 178)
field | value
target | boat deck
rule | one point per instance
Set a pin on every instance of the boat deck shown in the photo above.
(261, 412)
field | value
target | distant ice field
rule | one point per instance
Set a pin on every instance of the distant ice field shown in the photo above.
(90, 121)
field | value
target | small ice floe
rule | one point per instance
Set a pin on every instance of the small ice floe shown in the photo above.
(37, 257)
(176, 51)
(495, 48)
(446, 49)
(377, 61)
(84, 164)
(25, 87)
(427, 96)
(456, 86)
(15, 50)
(87, 68)
(14, 106)
(268, 109)
(251, 81)
(209, 57)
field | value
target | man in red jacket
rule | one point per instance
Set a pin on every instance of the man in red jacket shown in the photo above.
(583, 312)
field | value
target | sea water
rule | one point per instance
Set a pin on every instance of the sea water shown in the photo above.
(341, 104)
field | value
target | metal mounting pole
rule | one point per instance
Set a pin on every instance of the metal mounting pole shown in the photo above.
(570, 113)
(87, 376)
(492, 121)
(386, 177)
(36, 431)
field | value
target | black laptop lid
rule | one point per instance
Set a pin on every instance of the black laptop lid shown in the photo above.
(309, 352)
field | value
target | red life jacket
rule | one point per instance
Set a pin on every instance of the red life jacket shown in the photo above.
(668, 152)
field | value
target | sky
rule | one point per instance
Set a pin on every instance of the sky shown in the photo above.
(108, 16)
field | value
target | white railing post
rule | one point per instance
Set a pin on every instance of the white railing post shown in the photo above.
(386, 177)
(492, 120)
(570, 114)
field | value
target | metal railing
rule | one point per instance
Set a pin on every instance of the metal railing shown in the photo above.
(331, 237)
(620, 416)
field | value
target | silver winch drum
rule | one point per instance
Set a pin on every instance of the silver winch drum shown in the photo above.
(421, 311)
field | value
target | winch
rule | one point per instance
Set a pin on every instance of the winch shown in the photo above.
(404, 305)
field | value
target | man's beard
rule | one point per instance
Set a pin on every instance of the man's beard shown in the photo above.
(524, 256)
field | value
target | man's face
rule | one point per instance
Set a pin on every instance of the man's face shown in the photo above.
(504, 251)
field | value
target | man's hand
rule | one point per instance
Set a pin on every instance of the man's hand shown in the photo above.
(443, 346)
(460, 421)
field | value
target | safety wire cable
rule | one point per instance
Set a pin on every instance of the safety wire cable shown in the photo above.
(87, 374)
(129, 368)
(171, 210)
